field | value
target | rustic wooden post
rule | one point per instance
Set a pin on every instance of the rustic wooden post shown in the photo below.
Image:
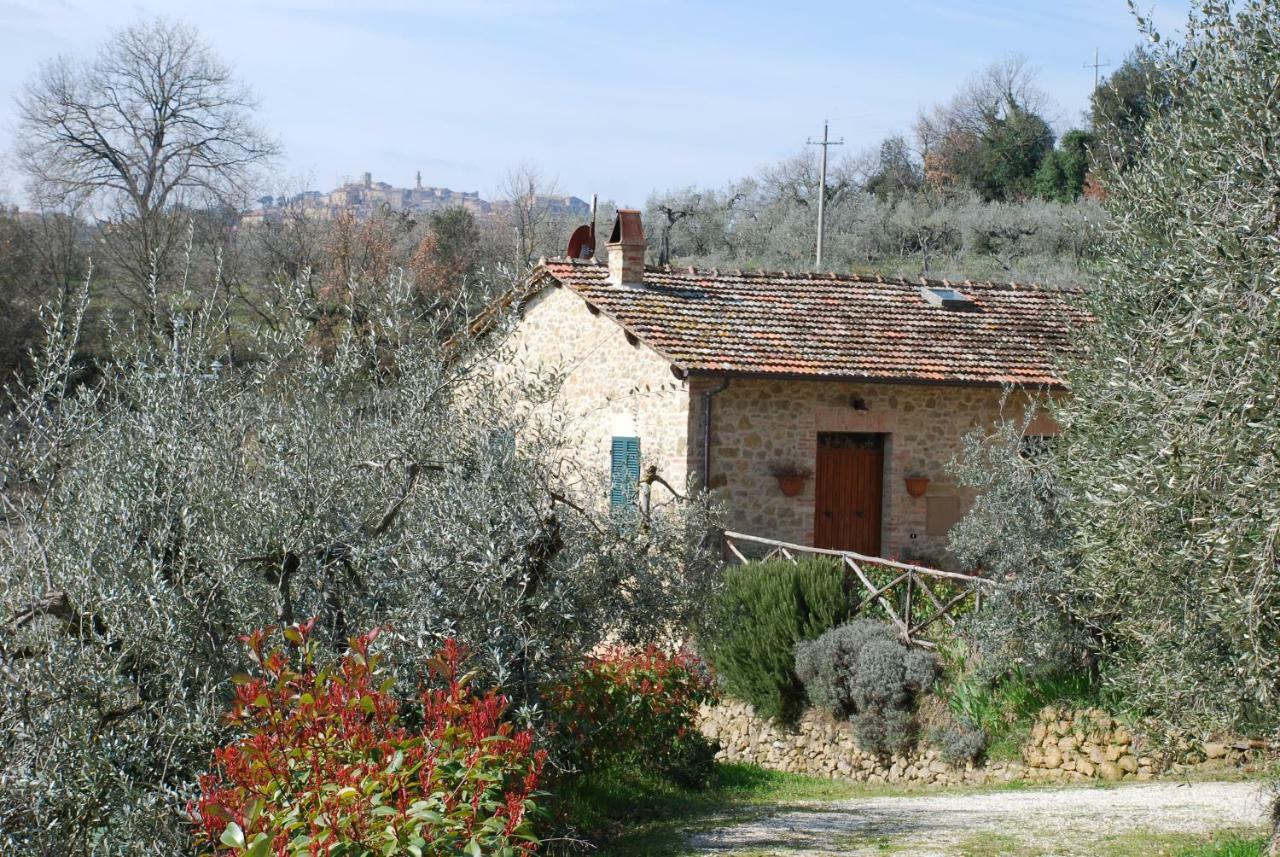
(906, 610)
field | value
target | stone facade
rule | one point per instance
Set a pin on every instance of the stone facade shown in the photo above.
(1063, 745)
(613, 384)
(758, 424)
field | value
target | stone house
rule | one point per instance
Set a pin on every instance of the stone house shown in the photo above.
(861, 388)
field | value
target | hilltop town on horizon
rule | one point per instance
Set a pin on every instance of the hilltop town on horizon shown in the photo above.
(365, 197)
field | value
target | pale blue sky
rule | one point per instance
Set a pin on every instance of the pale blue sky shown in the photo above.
(615, 98)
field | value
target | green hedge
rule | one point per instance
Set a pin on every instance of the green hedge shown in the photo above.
(763, 611)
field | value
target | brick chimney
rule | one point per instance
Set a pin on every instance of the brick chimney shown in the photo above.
(626, 249)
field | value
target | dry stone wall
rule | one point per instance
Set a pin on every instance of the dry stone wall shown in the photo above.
(1063, 745)
(821, 746)
(1089, 743)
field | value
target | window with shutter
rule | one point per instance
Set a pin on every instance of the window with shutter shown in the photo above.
(624, 470)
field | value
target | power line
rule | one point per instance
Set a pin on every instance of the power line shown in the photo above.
(822, 187)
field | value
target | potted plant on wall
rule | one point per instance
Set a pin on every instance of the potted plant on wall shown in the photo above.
(917, 485)
(791, 478)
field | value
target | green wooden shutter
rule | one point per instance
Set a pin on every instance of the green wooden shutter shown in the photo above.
(624, 458)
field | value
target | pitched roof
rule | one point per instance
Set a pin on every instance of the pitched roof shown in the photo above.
(830, 326)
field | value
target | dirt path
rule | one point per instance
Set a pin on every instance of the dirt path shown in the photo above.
(1070, 821)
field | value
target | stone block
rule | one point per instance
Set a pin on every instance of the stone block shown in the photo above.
(1215, 750)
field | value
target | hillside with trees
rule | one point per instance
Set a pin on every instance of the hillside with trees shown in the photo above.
(981, 189)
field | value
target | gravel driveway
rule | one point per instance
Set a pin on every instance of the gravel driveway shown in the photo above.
(1069, 821)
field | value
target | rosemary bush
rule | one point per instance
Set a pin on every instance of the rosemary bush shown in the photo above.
(764, 609)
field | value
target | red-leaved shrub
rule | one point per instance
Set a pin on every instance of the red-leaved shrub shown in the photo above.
(636, 708)
(327, 766)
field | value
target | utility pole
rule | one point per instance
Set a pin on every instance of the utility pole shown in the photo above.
(822, 188)
(1095, 65)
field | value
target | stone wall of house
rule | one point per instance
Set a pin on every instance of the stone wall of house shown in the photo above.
(614, 385)
(1063, 745)
(758, 424)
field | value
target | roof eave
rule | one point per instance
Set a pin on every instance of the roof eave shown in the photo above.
(694, 372)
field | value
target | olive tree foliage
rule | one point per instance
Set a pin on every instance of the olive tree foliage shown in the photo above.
(355, 473)
(874, 228)
(153, 127)
(1016, 535)
(1170, 452)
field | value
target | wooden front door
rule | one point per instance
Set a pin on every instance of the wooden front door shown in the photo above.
(847, 492)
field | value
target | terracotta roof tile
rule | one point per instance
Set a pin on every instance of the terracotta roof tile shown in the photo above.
(825, 325)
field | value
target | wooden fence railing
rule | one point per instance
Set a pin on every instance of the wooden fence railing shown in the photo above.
(913, 597)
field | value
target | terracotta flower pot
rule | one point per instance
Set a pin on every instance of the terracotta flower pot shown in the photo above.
(792, 484)
(917, 485)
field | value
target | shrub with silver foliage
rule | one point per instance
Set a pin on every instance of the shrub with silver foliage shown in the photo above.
(349, 473)
(962, 743)
(1014, 533)
(862, 671)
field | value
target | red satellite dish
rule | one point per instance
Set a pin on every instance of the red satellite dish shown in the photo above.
(582, 243)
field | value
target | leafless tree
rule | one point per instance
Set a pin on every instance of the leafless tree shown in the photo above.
(154, 126)
(524, 210)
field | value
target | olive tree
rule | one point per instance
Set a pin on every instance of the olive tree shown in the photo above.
(1170, 436)
(354, 472)
(1016, 535)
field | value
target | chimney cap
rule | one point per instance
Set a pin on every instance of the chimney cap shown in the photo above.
(627, 228)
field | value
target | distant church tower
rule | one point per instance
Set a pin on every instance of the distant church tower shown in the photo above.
(419, 180)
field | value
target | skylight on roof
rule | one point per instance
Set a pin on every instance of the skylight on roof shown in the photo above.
(947, 298)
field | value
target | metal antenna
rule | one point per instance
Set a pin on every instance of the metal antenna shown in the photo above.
(1095, 65)
(822, 188)
(593, 226)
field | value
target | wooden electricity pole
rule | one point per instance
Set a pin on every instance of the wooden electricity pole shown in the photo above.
(822, 188)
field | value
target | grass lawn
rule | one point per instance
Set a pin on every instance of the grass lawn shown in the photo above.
(1228, 845)
(1139, 844)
